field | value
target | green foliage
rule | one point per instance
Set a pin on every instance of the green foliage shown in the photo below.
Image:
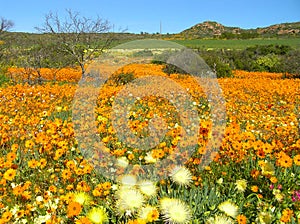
(143, 53)
(244, 35)
(172, 69)
(270, 58)
(291, 63)
(267, 62)
(217, 63)
(237, 44)
(122, 79)
(4, 80)
(269, 49)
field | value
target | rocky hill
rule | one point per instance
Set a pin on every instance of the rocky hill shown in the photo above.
(209, 29)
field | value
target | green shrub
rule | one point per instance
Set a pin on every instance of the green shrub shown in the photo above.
(122, 79)
(143, 53)
(4, 80)
(171, 69)
(268, 63)
(290, 63)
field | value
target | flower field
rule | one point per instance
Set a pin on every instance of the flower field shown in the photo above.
(253, 178)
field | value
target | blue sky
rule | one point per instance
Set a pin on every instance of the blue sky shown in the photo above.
(139, 15)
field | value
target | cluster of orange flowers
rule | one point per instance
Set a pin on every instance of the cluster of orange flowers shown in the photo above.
(260, 75)
(41, 164)
(25, 74)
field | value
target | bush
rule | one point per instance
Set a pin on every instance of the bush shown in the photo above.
(143, 53)
(218, 62)
(290, 63)
(172, 69)
(122, 79)
(4, 80)
(268, 63)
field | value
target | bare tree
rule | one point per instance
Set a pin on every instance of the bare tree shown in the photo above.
(5, 24)
(43, 54)
(79, 36)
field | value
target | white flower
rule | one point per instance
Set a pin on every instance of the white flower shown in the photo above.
(229, 208)
(39, 198)
(122, 162)
(175, 211)
(129, 199)
(148, 188)
(42, 219)
(219, 219)
(220, 181)
(128, 180)
(181, 175)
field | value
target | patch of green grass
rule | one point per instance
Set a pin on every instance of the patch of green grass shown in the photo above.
(237, 44)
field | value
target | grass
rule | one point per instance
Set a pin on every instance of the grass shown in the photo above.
(237, 44)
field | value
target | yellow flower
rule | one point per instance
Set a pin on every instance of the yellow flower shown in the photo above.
(82, 198)
(97, 215)
(241, 185)
(229, 208)
(9, 174)
(278, 195)
(175, 211)
(181, 175)
(264, 218)
(268, 169)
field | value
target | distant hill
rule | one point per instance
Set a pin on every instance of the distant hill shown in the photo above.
(211, 29)
(205, 30)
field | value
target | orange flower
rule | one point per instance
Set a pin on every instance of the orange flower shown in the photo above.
(241, 219)
(11, 156)
(106, 186)
(74, 209)
(18, 190)
(6, 216)
(83, 220)
(286, 215)
(33, 163)
(273, 180)
(9, 174)
(153, 215)
(254, 189)
(26, 195)
(255, 173)
(284, 160)
(66, 174)
(43, 163)
(130, 156)
(297, 160)
(29, 144)
(52, 188)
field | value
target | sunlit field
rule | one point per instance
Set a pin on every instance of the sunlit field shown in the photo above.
(254, 177)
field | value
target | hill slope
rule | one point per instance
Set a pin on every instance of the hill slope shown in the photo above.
(210, 29)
